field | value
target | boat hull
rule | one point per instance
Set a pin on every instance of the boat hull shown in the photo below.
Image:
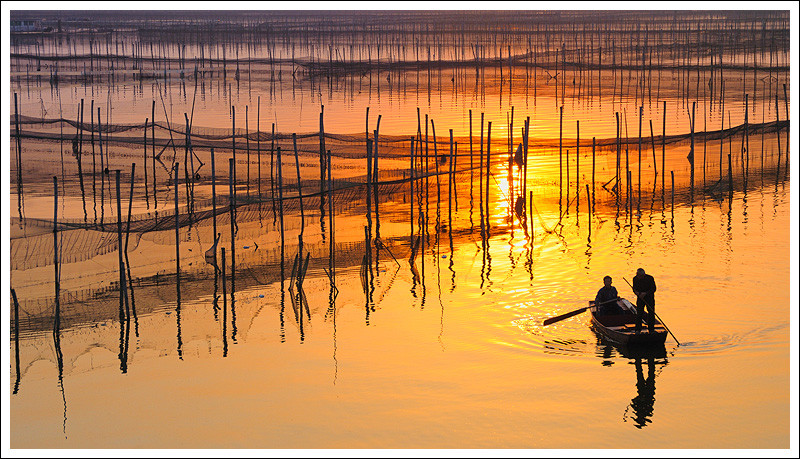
(621, 328)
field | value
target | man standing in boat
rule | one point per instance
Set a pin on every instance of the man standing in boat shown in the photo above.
(605, 299)
(644, 286)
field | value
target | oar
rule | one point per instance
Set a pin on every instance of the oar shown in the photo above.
(654, 313)
(567, 315)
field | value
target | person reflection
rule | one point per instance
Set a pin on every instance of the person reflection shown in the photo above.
(645, 398)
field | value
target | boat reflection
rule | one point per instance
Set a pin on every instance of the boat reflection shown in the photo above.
(642, 406)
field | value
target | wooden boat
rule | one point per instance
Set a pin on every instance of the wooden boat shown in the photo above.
(621, 328)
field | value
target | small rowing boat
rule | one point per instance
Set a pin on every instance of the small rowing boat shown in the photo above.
(621, 328)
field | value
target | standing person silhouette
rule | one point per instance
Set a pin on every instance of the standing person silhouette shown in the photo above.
(644, 286)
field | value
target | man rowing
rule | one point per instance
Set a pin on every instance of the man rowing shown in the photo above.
(644, 286)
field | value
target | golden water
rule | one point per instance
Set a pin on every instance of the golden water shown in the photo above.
(451, 354)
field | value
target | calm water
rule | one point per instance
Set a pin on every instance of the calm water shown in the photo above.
(440, 349)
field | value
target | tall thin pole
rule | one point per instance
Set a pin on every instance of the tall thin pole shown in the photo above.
(153, 136)
(232, 208)
(122, 293)
(214, 197)
(57, 274)
(577, 163)
(488, 171)
(639, 165)
(663, 150)
(176, 168)
(19, 156)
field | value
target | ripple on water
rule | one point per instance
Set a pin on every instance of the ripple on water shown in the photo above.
(744, 341)
(574, 337)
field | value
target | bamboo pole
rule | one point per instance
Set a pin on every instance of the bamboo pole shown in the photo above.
(560, 160)
(178, 262)
(122, 292)
(247, 145)
(153, 136)
(56, 265)
(375, 179)
(258, 147)
(594, 144)
(488, 173)
(691, 152)
(144, 161)
(672, 191)
(79, 155)
(368, 185)
(639, 163)
(225, 305)
(19, 156)
(129, 281)
(16, 342)
(778, 120)
(299, 193)
(663, 150)
(280, 211)
(232, 206)
(577, 164)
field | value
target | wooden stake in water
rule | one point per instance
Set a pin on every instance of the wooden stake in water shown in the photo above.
(438, 181)
(450, 189)
(56, 266)
(488, 172)
(471, 166)
(224, 305)
(233, 146)
(721, 128)
(480, 185)
(247, 145)
(589, 209)
(619, 162)
(129, 280)
(299, 192)
(153, 134)
(777, 121)
(691, 152)
(187, 158)
(639, 164)
(593, 168)
(280, 210)
(525, 157)
(577, 164)
(653, 145)
(375, 181)
(144, 159)
(258, 147)
(232, 207)
(79, 156)
(122, 293)
(746, 143)
(271, 174)
(19, 156)
(663, 150)
(16, 341)
(566, 158)
(368, 185)
(411, 192)
(672, 191)
(786, 103)
(214, 198)
(178, 261)
(321, 154)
